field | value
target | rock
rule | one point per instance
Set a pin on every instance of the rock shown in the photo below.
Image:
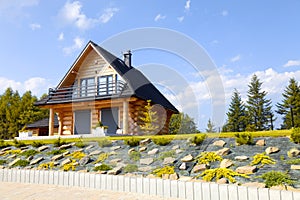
(145, 169)
(246, 169)
(173, 176)
(36, 161)
(153, 151)
(254, 184)
(294, 152)
(151, 176)
(89, 147)
(131, 150)
(75, 163)
(296, 167)
(182, 166)
(6, 149)
(145, 142)
(226, 163)
(43, 148)
(187, 158)
(96, 152)
(66, 161)
(2, 153)
(219, 143)
(23, 148)
(271, 150)
(13, 162)
(85, 160)
(29, 158)
(199, 167)
(261, 142)
(66, 153)
(65, 146)
(115, 171)
(185, 178)
(223, 152)
(114, 148)
(241, 158)
(222, 181)
(142, 149)
(115, 161)
(11, 156)
(165, 176)
(57, 157)
(168, 160)
(178, 151)
(2, 167)
(146, 161)
(175, 147)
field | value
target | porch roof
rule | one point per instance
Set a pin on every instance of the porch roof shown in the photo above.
(43, 123)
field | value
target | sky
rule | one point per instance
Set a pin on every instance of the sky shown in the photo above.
(40, 40)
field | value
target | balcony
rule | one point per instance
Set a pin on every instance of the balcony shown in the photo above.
(86, 91)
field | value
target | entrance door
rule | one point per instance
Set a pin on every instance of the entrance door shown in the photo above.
(110, 118)
(82, 122)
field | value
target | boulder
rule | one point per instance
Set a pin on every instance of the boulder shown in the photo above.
(115, 161)
(151, 176)
(296, 167)
(115, 171)
(142, 149)
(261, 142)
(219, 143)
(246, 169)
(175, 147)
(36, 161)
(66, 146)
(173, 176)
(187, 158)
(145, 169)
(43, 148)
(168, 160)
(178, 151)
(241, 158)
(146, 161)
(165, 176)
(57, 157)
(85, 160)
(131, 150)
(23, 148)
(183, 166)
(29, 158)
(6, 149)
(222, 181)
(199, 168)
(185, 178)
(271, 150)
(153, 151)
(13, 162)
(66, 153)
(2, 153)
(254, 184)
(145, 142)
(96, 152)
(89, 147)
(226, 163)
(294, 152)
(114, 148)
(66, 161)
(223, 152)
(11, 156)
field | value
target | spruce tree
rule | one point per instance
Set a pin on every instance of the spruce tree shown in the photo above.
(210, 127)
(259, 109)
(181, 124)
(290, 104)
(149, 120)
(236, 115)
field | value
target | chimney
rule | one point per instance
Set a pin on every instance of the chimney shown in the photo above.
(127, 58)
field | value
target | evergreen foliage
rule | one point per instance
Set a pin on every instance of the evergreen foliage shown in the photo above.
(165, 170)
(197, 139)
(181, 124)
(149, 120)
(208, 157)
(295, 136)
(260, 116)
(243, 138)
(290, 104)
(262, 159)
(162, 141)
(135, 155)
(218, 173)
(132, 141)
(210, 127)
(130, 168)
(102, 167)
(275, 178)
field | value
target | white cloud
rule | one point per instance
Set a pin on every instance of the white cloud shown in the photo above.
(224, 13)
(187, 5)
(292, 63)
(35, 26)
(180, 19)
(72, 14)
(159, 17)
(37, 85)
(235, 58)
(78, 44)
(108, 14)
(61, 36)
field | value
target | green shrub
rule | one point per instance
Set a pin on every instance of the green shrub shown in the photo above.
(295, 161)
(59, 142)
(46, 166)
(30, 152)
(69, 166)
(197, 139)
(18, 144)
(80, 144)
(162, 141)
(37, 144)
(275, 178)
(132, 141)
(104, 143)
(165, 170)
(77, 155)
(243, 138)
(102, 157)
(263, 159)
(3, 144)
(2, 162)
(21, 163)
(135, 155)
(130, 168)
(56, 152)
(295, 136)
(218, 173)
(102, 167)
(166, 154)
(208, 157)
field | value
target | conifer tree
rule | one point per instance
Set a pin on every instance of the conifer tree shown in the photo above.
(181, 124)
(236, 115)
(259, 109)
(149, 120)
(290, 105)
(210, 127)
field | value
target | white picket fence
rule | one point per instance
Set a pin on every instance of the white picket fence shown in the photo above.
(158, 187)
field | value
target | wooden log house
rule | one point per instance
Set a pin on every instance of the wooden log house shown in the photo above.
(102, 87)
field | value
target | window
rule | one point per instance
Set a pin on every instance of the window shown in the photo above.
(106, 85)
(87, 87)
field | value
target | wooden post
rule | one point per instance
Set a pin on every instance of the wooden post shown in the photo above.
(125, 117)
(59, 117)
(51, 122)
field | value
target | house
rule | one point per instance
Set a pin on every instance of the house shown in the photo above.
(41, 127)
(101, 87)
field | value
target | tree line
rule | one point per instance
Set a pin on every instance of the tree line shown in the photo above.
(17, 111)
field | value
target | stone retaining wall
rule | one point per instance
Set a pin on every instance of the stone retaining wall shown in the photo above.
(158, 187)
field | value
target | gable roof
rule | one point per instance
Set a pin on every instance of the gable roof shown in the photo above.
(138, 84)
(43, 123)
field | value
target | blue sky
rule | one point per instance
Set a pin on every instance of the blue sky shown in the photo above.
(41, 39)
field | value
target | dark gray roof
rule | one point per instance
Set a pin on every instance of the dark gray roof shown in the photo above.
(43, 123)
